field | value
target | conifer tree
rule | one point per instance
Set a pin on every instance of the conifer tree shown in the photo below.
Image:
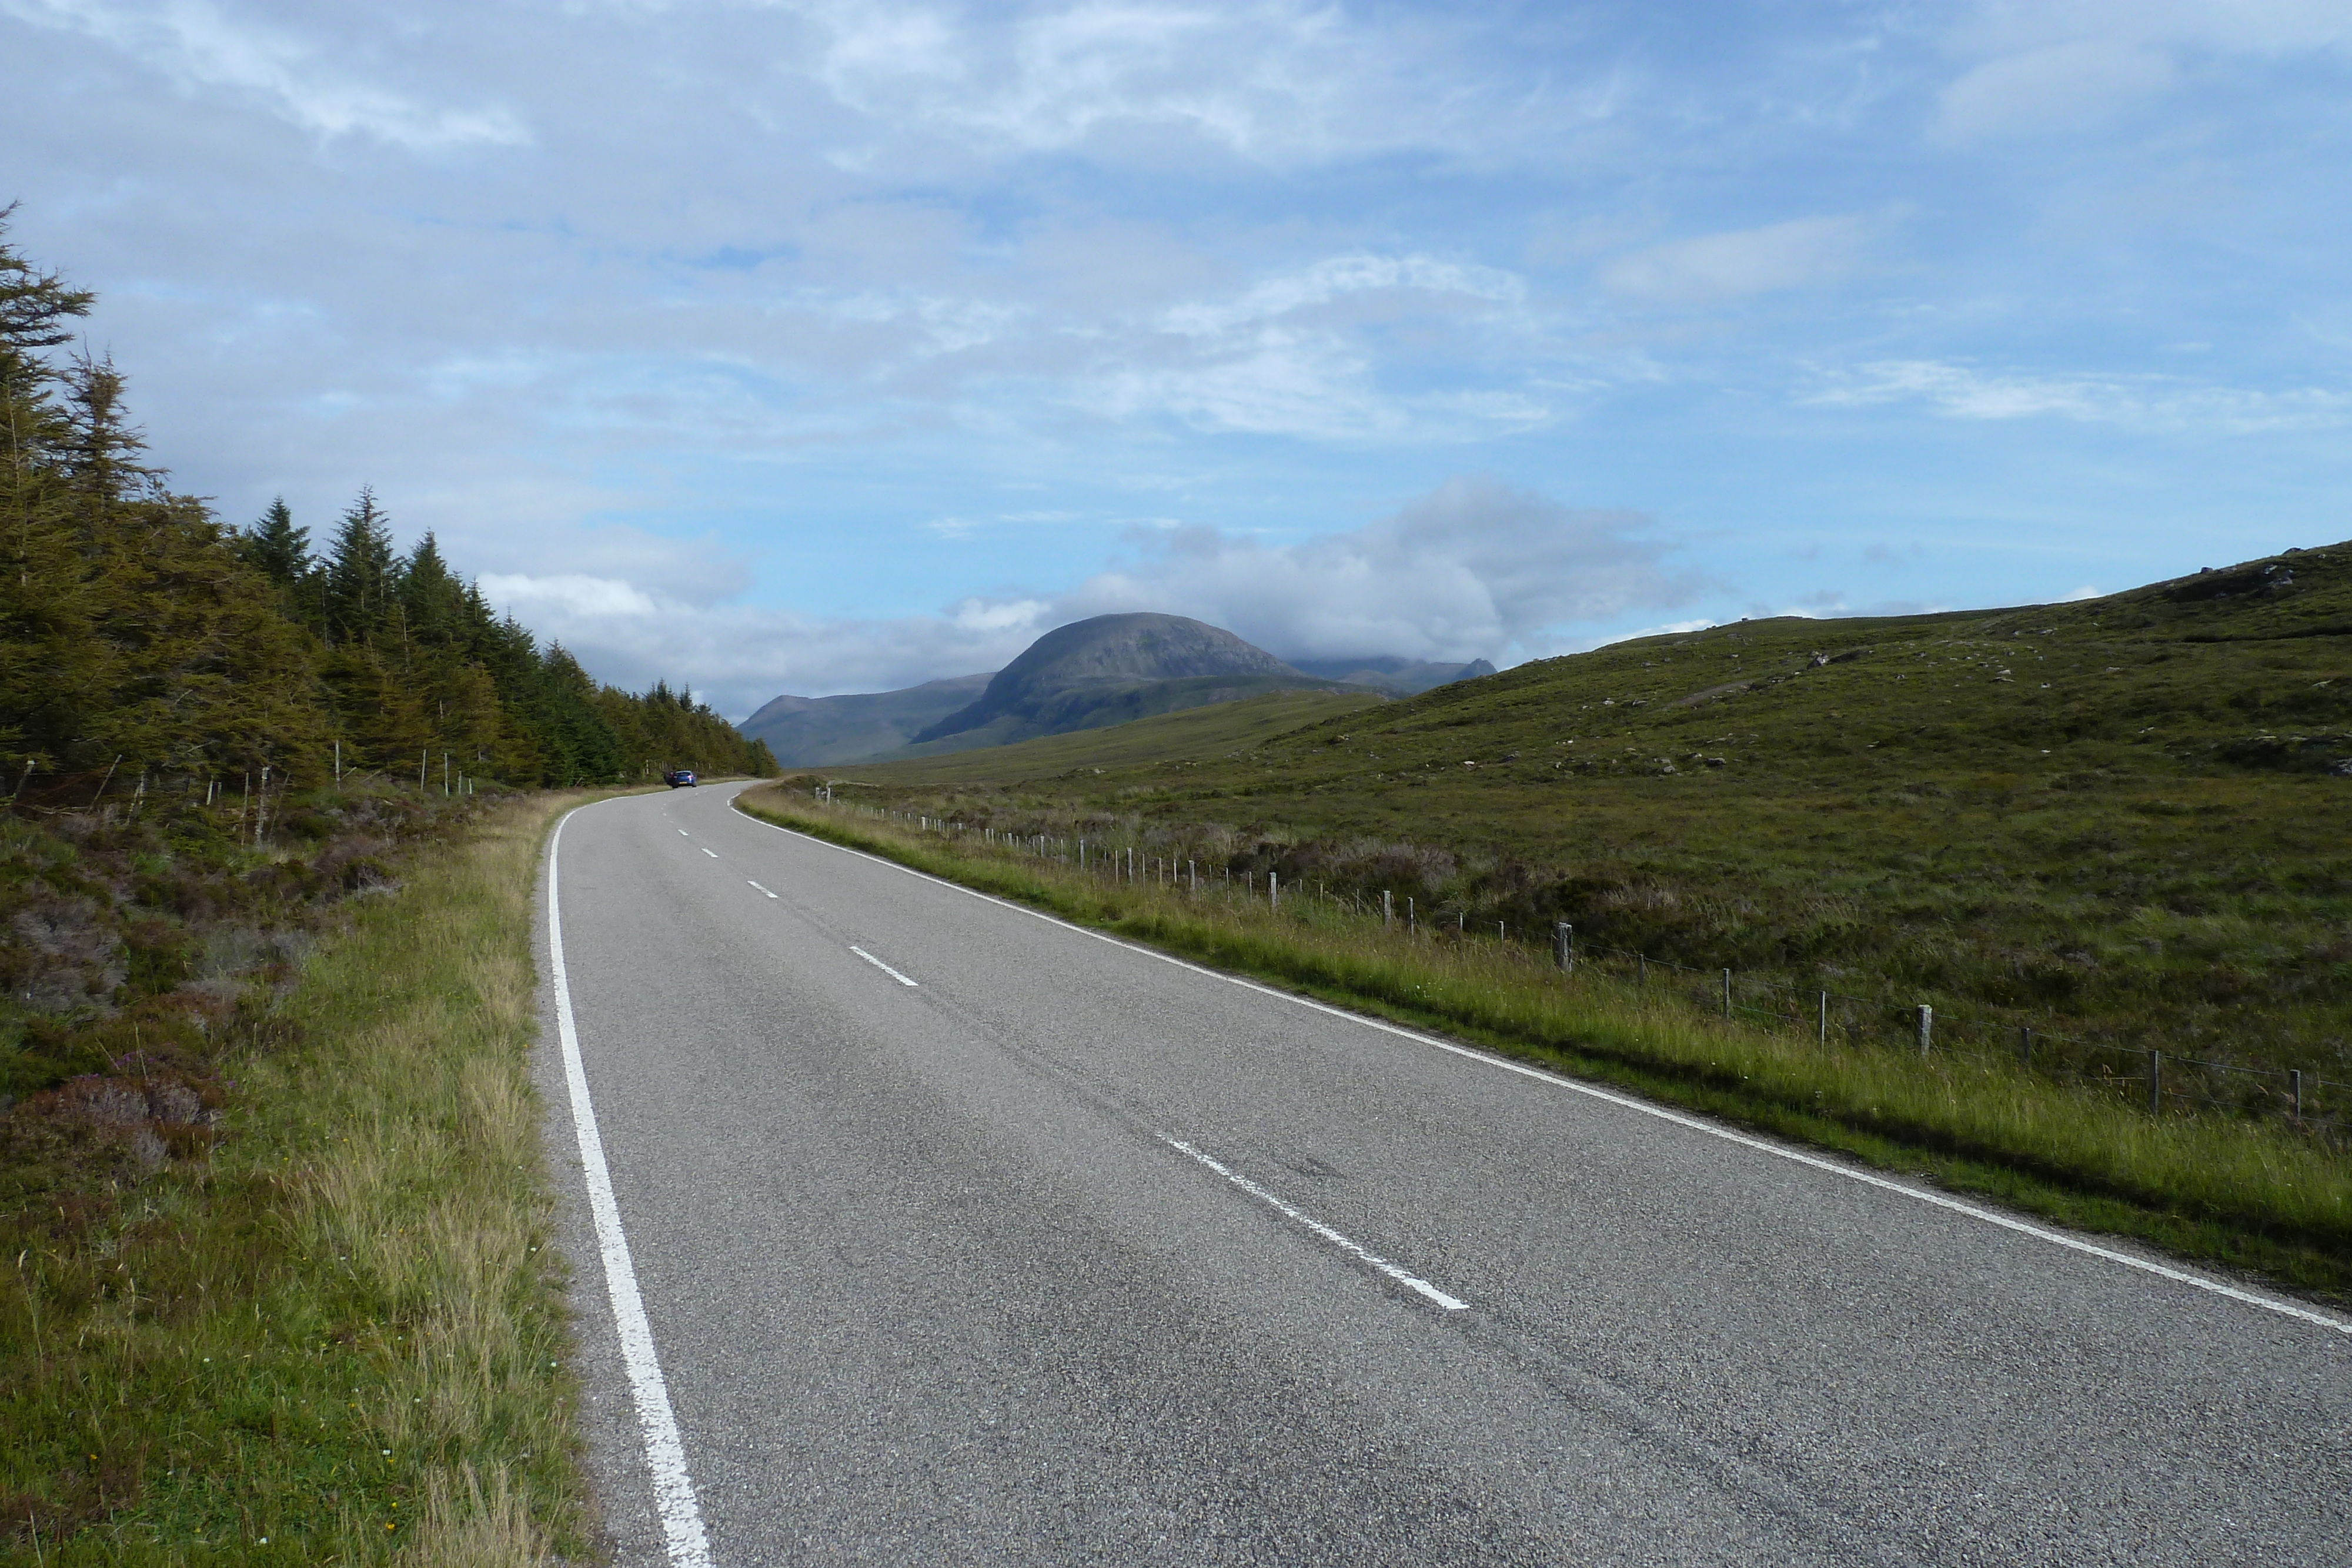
(432, 599)
(101, 458)
(34, 307)
(362, 572)
(47, 617)
(274, 545)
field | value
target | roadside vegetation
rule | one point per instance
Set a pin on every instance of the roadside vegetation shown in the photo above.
(271, 1195)
(278, 1292)
(2258, 1196)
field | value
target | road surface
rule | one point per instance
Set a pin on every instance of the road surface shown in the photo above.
(949, 1234)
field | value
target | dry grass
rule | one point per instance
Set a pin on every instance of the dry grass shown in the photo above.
(350, 1341)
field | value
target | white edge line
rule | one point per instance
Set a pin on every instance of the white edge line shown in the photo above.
(1411, 1281)
(879, 963)
(1938, 1200)
(674, 1499)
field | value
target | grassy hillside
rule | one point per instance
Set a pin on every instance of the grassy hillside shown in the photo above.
(1188, 732)
(2120, 819)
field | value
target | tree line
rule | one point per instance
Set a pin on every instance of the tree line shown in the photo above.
(141, 635)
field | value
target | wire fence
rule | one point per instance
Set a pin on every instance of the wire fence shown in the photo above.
(2150, 1077)
(2155, 1081)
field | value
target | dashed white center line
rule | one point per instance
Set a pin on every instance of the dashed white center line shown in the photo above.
(712, 853)
(684, 834)
(1628, 1102)
(762, 889)
(1410, 1282)
(876, 963)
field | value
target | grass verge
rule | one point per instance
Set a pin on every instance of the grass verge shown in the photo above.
(2250, 1195)
(339, 1338)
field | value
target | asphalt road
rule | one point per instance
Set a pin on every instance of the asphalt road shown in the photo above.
(1064, 1253)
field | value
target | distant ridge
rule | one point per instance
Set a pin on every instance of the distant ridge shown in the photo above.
(809, 732)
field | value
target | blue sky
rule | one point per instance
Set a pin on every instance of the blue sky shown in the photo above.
(831, 347)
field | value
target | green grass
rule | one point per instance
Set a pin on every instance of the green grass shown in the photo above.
(340, 1332)
(2113, 822)
(2248, 1195)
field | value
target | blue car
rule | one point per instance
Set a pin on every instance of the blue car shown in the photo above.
(679, 778)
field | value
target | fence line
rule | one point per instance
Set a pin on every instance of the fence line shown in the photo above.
(2152, 1078)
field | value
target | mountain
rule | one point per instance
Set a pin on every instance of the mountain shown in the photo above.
(807, 732)
(1406, 677)
(1108, 670)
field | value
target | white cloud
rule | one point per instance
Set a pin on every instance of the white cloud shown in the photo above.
(2233, 26)
(2144, 402)
(1340, 278)
(2063, 87)
(1276, 82)
(1022, 615)
(198, 45)
(1668, 628)
(2045, 66)
(565, 597)
(738, 656)
(1799, 254)
(1291, 355)
(697, 573)
(1475, 569)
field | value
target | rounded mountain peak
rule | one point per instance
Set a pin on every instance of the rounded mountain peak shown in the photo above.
(1107, 651)
(1135, 647)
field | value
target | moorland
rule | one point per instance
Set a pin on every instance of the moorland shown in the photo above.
(2116, 821)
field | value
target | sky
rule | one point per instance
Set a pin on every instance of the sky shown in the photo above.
(817, 346)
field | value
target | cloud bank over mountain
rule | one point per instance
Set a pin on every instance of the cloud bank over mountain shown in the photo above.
(1475, 569)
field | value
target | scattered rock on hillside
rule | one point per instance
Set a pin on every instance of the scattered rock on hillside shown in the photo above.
(1711, 694)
